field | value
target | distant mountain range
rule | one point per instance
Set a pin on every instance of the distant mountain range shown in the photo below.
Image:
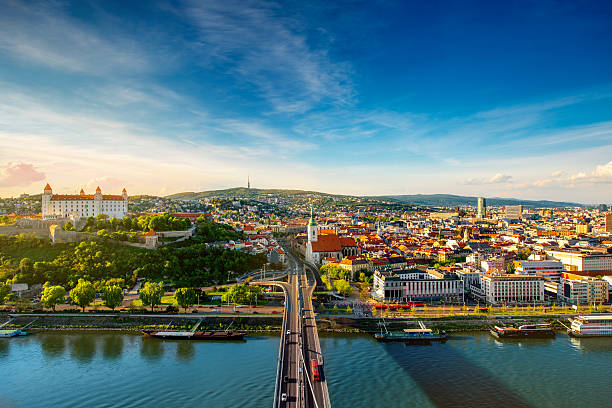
(433, 200)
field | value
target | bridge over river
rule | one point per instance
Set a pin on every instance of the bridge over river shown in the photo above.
(297, 384)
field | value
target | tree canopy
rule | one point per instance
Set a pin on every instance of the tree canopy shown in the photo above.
(83, 293)
(52, 295)
(151, 294)
(112, 295)
(185, 297)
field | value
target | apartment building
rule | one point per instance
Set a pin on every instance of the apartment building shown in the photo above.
(498, 289)
(578, 289)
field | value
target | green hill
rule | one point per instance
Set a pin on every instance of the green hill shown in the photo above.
(431, 200)
(450, 200)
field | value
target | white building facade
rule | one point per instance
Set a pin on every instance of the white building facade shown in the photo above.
(498, 289)
(83, 205)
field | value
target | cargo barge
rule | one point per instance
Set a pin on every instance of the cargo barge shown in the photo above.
(422, 335)
(527, 330)
(195, 334)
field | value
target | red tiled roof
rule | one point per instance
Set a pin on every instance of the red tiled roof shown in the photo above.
(327, 243)
(151, 233)
(47, 187)
(348, 242)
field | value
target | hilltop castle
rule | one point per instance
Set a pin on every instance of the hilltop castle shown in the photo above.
(83, 205)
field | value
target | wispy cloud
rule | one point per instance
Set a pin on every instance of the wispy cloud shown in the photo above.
(43, 33)
(266, 50)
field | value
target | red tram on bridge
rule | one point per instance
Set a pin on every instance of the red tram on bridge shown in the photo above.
(315, 370)
(400, 307)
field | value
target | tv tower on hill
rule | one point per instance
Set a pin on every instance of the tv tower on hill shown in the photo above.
(249, 182)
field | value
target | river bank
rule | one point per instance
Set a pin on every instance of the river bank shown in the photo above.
(259, 323)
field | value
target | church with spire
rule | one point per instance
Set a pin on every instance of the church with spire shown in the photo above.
(325, 243)
(83, 205)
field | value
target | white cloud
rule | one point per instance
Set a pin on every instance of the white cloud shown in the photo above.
(495, 179)
(19, 174)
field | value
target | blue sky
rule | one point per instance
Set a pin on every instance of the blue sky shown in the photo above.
(356, 97)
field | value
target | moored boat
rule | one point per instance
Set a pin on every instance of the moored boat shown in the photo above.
(12, 333)
(591, 326)
(410, 335)
(525, 330)
(196, 335)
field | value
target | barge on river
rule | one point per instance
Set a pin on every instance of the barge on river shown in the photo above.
(422, 335)
(195, 334)
(526, 330)
(12, 333)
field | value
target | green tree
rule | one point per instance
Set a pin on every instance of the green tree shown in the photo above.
(83, 293)
(52, 295)
(112, 295)
(68, 226)
(185, 297)
(151, 294)
(5, 290)
(343, 287)
(510, 268)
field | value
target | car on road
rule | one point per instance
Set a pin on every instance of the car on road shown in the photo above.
(286, 379)
(284, 397)
(288, 332)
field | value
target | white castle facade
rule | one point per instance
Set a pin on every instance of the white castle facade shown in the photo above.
(83, 205)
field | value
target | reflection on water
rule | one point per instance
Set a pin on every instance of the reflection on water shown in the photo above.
(53, 345)
(450, 379)
(83, 347)
(4, 347)
(591, 344)
(523, 342)
(151, 349)
(112, 346)
(185, 351)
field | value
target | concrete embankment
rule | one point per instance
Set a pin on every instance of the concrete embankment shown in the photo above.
(372, 325)
(139, 322)
(259, 323)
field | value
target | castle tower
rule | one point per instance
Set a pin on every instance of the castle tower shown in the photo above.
(98, 202)
(124, 194)
(46, 199)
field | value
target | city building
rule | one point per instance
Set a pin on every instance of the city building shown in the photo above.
(549, 270)
(416, 284)
(578, 289)
(518, 289)
(513, 212)
(609, 222)
(83, 205)
(324, 243)
(583, 261)
(482, 208)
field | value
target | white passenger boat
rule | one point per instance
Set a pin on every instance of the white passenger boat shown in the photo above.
(591, 326)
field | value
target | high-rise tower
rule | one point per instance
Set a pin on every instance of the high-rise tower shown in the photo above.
(482, 208)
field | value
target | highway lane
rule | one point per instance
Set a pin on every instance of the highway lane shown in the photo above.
(318, 396)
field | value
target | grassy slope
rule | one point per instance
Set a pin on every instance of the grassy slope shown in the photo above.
(47, 253)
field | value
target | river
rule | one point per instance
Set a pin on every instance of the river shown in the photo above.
(109, 369)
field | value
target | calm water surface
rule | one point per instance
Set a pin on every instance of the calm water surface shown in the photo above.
(106, 369)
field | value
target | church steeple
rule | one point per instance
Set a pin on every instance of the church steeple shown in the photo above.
(312, 220)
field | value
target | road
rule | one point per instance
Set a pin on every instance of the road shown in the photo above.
(318, 396)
